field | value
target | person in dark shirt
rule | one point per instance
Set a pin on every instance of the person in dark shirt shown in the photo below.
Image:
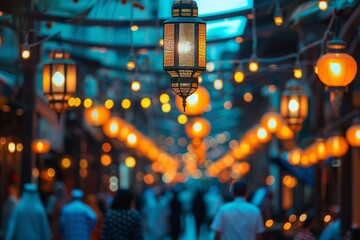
(121, 222)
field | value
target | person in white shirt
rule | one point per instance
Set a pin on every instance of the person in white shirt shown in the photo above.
(238, 219)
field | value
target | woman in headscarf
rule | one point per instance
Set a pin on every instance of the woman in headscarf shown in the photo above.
(28, 220)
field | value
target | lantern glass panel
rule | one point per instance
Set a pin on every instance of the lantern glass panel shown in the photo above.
(169, 45)
(186, 44)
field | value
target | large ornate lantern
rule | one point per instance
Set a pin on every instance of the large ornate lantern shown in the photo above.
(184, 48)
(59, 80)
(294, 105)
(336, 69)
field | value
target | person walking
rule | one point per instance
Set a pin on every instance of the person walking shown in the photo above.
(238, 219)
(121, 222)
(77, 219)
(29, 220)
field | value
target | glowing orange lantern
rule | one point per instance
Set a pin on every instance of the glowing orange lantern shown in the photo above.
(294, 157)
(197, 103)
(353, 135)
(294, 105)
(320, 149)
(271, 121)
(336, 69)
(263, 135)
(284, 133)
(112, 127)
(97, 116)
(197, 128)
(337, 145)
(40, 146)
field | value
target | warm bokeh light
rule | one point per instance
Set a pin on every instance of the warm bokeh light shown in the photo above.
(269, 223)
(289, 181)
(87, 103)
(105, 160)
(353, 135)
(323, 5)
(287, 226)
(11, 147)
(166, 107)
(182, 119)
(83, 163)
(135, 86)
(106, 147)
(126, 103)
(149, 179)
(134, 28)
(263, 135)
(239, 77)
(131, 65)
(327, 218)
(130, 162)
(336, 146)
(253, 66)
(65, 162)
(303, 217)
(248, 97)
(51, 172)
(19, 147)
(218, 84)
(197, 103)
(112, 127)
(97, 115)
(25, 54)
(227, 105)
(132, 140)
(270, 180)
(197, 128)
(294, 157)
(320, 149)
(297, 73)
(272, 121)
(109, 104)
(164, 98)
(278, 20)
(145, 103)
(40, 146)
(161, 42)
(239, 39)
(292, 218)
(284, 133)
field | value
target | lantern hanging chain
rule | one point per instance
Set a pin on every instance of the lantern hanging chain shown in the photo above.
(54, 36)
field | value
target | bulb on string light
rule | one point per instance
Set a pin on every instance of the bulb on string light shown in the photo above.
(278, 17)
(135, 86)
(323, 5)
(253, 64)
(25, 54)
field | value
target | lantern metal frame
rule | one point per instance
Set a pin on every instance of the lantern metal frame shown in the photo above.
(294, 91)
(58, 96)
(184, 67)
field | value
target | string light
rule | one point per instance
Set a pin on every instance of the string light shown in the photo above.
(278, 18)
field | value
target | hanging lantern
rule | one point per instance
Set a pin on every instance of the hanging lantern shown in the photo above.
(294, 156)
(284, 133)
(197, 128)
(40, 146)
(353, 134)
(320, 149)
(294, 105)
(196, 103)
(59, 80)
(272, 121)
(336, 69)
(337, 145)
(112, 127)
(184, 48)
(97, 115)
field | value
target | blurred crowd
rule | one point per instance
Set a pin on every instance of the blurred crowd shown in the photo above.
(187, 211)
